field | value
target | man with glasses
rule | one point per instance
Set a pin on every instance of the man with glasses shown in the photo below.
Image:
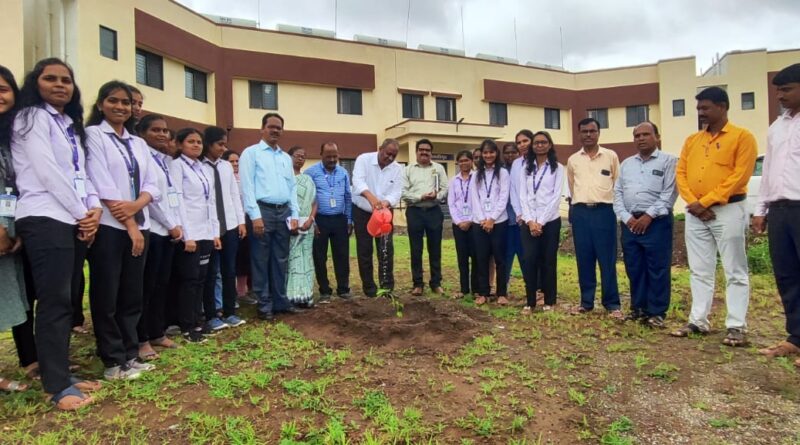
(591, 173)
(425, 186)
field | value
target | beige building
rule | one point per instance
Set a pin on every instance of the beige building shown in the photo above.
(200, 72)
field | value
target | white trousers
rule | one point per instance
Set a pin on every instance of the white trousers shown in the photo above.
(724, 235)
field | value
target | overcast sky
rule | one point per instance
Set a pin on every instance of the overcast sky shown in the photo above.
(596, 33)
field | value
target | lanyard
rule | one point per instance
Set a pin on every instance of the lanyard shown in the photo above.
(129, 163)
(69, 134)
(164, 168)
(201, 176)
(489, 189)
(329, 177)
(464, 194)
(537, 184)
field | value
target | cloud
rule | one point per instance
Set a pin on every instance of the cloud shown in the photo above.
(596, 34)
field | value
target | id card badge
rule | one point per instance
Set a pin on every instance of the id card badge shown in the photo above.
(80, 186)
(333, 203)
(8, 204)
(487, 205)
(172, 197)
(466, 211)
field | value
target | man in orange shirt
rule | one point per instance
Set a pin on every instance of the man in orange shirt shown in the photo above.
(712, 174)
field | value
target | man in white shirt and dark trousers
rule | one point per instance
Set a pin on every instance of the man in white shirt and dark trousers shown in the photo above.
(778, 206)
(377, 184)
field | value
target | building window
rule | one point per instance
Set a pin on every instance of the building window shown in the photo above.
(348, 101)
(600, 115)
(446, 109)
(678, 107)
(552, 118)
(748, 101)
(195, 84)
(413, 107)
(635, 115)
(108, 43)
(149, 69)
(263, 95)
(498, 114)
(348, 164)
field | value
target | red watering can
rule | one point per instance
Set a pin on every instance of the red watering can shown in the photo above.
(380, 223)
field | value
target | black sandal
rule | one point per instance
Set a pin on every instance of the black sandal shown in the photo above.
(688, 330)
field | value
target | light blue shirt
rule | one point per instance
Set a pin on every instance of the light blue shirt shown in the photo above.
(334, 186)
(267, 176)
(646, 186)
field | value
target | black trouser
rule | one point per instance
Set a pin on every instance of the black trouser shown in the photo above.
(55, 254)
(225, 261)
(540, 254)
(364, 250)
(488, 245)
(155, 286)
(24, 339)
(79, 288)
(427, 222)
(115, 294)
(465, 251)
(784, 250)
(191, 268)
(333, 228)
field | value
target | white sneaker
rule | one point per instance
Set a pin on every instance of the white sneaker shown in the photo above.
(121, 373)
(141, 366)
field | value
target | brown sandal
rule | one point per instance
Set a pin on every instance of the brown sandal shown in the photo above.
(12, 385)
(480, 300)
(502, 301)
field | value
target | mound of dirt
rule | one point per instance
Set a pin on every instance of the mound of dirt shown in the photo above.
(427, 326)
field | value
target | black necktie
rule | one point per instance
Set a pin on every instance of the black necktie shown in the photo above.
(220, 203)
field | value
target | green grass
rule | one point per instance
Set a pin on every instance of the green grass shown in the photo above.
(546, 378)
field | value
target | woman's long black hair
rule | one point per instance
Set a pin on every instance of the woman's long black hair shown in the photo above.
(488, 143)
(7, 118)
(29, 97)
(96, 116)
(552, 157)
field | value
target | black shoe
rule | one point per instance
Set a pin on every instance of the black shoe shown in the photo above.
(194, 336)
(266, 316)
(635, 316)
(292, 310)
(345, 295)
(324, 299)
(206, 331)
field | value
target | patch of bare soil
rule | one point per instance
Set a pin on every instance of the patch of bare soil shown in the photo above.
(428, 327)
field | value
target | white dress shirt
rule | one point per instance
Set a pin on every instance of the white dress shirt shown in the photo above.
(164, 217)
(231, 199)
(199, 211)
(540, 206)
(47, 159)
(108, 164)
(779, 178)
(492, 192)
(385, 183)
(517, 172)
